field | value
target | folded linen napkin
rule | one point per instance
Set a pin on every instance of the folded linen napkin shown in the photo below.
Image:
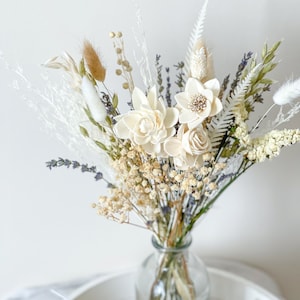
(55, 291)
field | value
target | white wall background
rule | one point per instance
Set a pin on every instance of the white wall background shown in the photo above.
(48, 232)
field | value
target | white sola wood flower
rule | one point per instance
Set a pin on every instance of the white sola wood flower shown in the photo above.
(188, 146)
(198, 101)
(149, 124)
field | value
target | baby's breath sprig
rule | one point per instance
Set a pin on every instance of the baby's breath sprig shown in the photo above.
(60, 162)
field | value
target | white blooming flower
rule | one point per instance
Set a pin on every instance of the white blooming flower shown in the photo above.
(198, 101)
(149, 124)
(188, 146)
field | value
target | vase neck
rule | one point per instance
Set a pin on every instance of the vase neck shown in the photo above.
(163, 246)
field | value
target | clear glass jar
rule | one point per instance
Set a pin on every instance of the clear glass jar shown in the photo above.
(172, 273)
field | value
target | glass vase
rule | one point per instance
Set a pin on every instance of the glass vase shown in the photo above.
(172, 273)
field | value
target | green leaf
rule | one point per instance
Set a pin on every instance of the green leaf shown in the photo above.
(108, 120)
(253, 63)
(89, 115)
(275, 46)
(270, 67)
(101, 145)
(266, 81)
(271, 53)
(91, 119)
(269, 57)
(264, 51)
(83, 131)
(82, 70)
(115, 101)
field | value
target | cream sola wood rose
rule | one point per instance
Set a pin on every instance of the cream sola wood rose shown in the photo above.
(188, 146)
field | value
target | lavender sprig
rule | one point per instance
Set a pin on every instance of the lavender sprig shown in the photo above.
(241, 67)
(224, 86)
(159, 79)
(168, 88)
(53, 163)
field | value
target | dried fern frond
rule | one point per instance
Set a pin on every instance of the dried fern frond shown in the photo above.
(93, 61)
(196, 35)
(220, 124)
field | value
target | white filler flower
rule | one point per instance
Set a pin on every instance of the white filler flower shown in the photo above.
(198, 101)
(149, 124)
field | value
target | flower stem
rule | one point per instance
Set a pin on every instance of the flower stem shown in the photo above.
(262, 118)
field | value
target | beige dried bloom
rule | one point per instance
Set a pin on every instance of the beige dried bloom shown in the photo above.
(165, 167)
(173, 173)
(204, 171)
(174, 187)
(206, 180)
(131, 154)
(212, 186)
(200, 184)
(220, 166)
(157, 172)
(179, 177)
(196, 195)
(207, 156)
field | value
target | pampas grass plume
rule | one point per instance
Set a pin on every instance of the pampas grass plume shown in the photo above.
(287, 93)
(93, 61)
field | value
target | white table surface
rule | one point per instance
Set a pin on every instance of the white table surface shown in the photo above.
(65, 290)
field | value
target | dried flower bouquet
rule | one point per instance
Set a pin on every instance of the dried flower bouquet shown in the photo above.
(174, 155)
